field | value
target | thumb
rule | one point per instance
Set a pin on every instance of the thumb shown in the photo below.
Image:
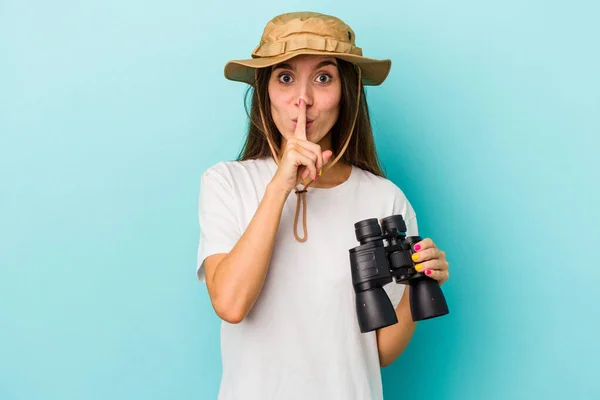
(327, 155)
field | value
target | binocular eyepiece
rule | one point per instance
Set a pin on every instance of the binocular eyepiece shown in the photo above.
(374, 264)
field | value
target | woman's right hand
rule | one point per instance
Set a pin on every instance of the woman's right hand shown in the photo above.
(301, 158)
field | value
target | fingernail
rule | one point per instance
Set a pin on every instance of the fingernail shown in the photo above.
(417, 247)
(419, 266)
(428, 272)
(299, 101)
(415, 257)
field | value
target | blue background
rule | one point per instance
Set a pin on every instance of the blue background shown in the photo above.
(111, 110)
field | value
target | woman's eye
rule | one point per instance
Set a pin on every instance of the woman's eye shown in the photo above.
(326, 80)
(285, 78)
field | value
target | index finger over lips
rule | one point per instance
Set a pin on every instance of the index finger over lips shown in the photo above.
(300, 132)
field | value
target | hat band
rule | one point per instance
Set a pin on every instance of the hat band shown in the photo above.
(309, 42)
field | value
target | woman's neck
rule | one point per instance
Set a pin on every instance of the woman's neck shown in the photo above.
(337, 175)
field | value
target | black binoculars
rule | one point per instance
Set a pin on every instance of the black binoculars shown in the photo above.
(375, 264)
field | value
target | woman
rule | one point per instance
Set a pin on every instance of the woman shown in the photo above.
(286, 299)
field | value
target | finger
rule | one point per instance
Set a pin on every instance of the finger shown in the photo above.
(297, 146)
(439, 276)
(300, 132)
(424, 244)
(428, 254)
(314, 148)
(436, 265)
(327, 154)
(305, 173)
(314, 157)
(302, 157)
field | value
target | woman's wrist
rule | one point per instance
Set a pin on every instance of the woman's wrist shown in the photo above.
(274, 190)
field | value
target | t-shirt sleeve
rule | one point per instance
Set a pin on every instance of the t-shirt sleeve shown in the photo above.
(402, 206)
(219, 227)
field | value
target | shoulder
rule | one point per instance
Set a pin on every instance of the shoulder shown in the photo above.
(232, 170)
(384, 190)
(240, 176)
(235, 184)
(378, 184)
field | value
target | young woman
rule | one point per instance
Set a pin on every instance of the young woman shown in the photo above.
(276, 266)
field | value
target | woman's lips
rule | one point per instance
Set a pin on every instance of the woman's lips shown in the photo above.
(308, 124)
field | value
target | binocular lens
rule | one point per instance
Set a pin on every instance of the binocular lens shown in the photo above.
(366, 229)
(393, 222)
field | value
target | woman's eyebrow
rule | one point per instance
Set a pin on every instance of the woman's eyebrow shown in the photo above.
(291, 67)
(325, 63)
(283, 66)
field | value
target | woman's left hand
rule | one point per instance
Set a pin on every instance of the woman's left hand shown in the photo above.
(431, 260)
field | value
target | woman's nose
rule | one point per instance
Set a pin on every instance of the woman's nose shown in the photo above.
(304, 93)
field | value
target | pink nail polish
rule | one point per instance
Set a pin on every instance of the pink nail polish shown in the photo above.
(299, 101)
(417, 247)
(428, 272)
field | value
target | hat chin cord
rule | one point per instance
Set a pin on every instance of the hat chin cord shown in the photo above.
(301, 193)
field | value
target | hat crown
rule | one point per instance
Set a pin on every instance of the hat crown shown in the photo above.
(306, 30)
(285, 25)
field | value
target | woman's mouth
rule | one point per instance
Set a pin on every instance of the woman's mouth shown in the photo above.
(308, 123)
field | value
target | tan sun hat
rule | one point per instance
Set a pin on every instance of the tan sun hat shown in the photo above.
(308, 33)
(292, 34)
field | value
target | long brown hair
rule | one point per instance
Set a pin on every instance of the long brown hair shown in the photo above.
(361, 150)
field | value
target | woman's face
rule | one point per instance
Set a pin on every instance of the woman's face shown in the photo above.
(315, 80)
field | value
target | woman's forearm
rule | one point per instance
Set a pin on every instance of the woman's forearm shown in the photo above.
(239, 277)
(393, 339)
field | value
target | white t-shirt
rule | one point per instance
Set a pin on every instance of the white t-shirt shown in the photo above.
(301, 340)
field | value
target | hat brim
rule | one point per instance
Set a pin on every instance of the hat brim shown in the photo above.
(373, 71)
